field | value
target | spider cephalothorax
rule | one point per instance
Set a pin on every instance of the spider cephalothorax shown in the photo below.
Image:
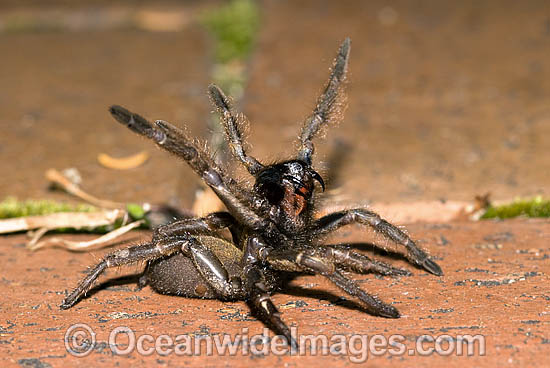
(274, 231)
(288, 187)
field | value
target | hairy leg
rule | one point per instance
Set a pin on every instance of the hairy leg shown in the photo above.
(121, 257)
(176, 142)
(233, 126)
(200, 226)
(206, 263)
(357, 262)
(334, 221)
(293, 260)
(259, 300)
(328, 105)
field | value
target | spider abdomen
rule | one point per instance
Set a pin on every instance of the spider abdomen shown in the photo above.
(177, 275)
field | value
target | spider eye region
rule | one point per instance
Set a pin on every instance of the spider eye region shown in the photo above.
(289, 184)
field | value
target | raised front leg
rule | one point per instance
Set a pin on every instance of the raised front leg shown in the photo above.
(334, 221)
(329, 104)
(175, 141)
(233, 126)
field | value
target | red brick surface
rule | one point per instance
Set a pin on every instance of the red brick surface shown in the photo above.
(495, 285)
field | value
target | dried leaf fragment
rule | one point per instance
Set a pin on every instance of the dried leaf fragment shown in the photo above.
(123, 163)
(59, 179)
(82, 245)
(76, 220)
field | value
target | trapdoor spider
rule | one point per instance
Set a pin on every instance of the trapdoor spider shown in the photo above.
(272, 224)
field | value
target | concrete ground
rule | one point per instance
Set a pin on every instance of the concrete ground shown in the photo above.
(445, 102)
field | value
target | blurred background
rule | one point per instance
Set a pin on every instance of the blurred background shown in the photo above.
(447, 100)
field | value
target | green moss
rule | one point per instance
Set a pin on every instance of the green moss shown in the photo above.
(11, 207)
(536, 207)
(135, 211)
(234, 28)
(26, 24)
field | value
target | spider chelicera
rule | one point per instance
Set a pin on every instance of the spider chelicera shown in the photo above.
(274, 231)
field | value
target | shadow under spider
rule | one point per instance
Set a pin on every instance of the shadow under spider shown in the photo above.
(377, 251)
(115, 284)
(320, 294)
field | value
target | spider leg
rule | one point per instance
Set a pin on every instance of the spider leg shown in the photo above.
(286, 260)
(334, 221)
(328, 104)
(233, 126)
(132, 254)
(206, 262)
(200, 226)
(260, 301)
(357, 262)
(176, 142)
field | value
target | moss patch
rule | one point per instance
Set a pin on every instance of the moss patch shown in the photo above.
(234, 27)
(12, 207)
(536, 207)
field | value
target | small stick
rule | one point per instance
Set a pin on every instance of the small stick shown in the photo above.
(84, 245)
(58, 178)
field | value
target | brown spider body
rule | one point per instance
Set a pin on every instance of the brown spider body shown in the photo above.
(274, 233)
(160, 272)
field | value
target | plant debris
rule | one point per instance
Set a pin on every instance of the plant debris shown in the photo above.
(83, 245)
(234, 26)
(61, 220)
(101, 216)
(12, 207)
(58, 179)
(123, 163)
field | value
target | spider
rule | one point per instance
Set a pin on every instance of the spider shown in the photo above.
(273, 229)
